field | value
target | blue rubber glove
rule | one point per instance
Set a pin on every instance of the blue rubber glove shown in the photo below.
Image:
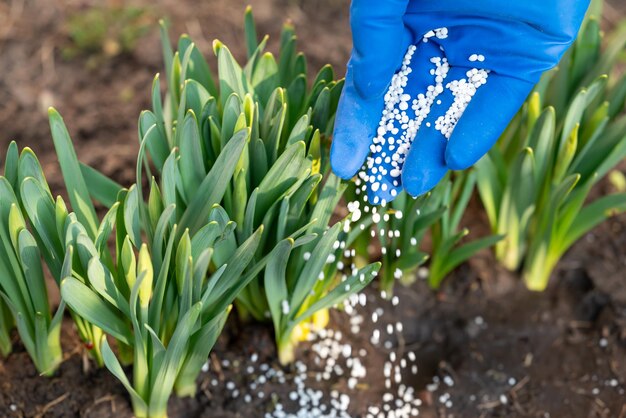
(507, 43)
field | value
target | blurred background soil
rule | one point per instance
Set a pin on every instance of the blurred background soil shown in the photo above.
(100, 93)
(553, 343)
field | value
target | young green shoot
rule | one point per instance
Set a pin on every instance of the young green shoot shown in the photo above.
(535, 183)
(29, 218)
(168, 293)
(448, 250)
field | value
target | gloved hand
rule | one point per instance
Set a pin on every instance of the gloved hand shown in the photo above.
(475, 58)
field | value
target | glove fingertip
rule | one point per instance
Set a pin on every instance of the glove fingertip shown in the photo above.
(425, 165)
(458, 160)
(344, 167)
(423, 169)
(423, 182)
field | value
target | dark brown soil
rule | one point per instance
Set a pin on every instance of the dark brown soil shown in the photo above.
(508, 352)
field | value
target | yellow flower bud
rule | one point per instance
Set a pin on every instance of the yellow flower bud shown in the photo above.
(144, 266)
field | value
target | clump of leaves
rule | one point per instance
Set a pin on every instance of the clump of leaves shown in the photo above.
(161, 292)
(166, 305)
(107, 30)
(534, 184)
(31, 227)
(282, 180)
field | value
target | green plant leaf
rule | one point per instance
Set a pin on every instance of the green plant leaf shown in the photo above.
(82, 300)
(276, 281)
(33, 272)
(102, 282)
(265, 77)
(229, 284)
(101, 187)
(250, 32)
(172, 361)
(41, 212)
(327, 202)
(213, 187)
(282, 175)
(592, 215)
(190, 164)
(197, 67)
(115, 368)
(76, 186)
(28, 166)
(205, 238)
(159, 147)
(315, 264)
(131, 216)
(352, 285)
(231, 76)
(287, 54)
(321, 110)
(200, 345)
(296, 96)
(463, 253)
(11, 165)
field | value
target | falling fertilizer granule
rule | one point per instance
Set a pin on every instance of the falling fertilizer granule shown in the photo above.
(403, 116)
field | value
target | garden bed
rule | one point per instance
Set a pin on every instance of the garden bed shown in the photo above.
(483, 345)
(497, 350)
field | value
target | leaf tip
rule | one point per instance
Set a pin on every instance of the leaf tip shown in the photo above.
(217, 46)
(53, 113)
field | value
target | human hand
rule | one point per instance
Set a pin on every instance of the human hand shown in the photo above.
(461, 69)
